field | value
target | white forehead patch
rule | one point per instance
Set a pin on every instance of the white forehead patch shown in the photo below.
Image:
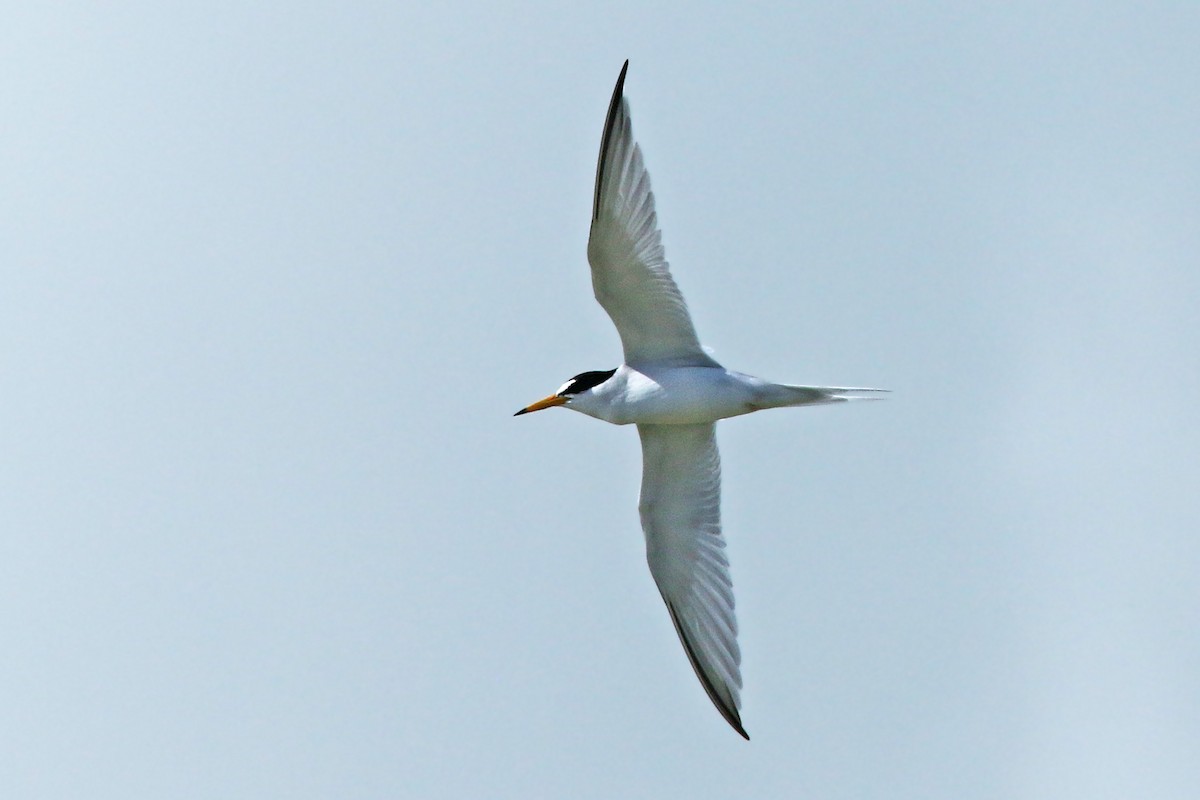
(564, 387)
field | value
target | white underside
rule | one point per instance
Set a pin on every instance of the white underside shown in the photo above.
(669, 395)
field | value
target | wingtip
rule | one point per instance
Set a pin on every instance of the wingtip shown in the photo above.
(728, 711)
(619, 89)
(613, 107)
(736, 724)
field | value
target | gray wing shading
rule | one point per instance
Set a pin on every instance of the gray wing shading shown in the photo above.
(681, 517)
(629, 268)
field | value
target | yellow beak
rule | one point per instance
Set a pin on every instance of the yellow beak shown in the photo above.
(546, 402)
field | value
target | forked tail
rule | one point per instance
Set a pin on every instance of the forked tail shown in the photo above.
(779, 395)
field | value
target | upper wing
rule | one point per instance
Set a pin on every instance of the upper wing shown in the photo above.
(629, 269)
(681, 516)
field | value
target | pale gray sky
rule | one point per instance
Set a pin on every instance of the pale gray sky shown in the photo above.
(273, 279)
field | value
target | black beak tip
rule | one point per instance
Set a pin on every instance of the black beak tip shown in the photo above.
(522, 411)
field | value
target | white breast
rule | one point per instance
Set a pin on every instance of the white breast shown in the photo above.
(669, 396)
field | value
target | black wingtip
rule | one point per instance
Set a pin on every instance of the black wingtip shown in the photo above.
(613, 106)
(729, 712)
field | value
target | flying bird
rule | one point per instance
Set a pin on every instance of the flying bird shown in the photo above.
(674, 391)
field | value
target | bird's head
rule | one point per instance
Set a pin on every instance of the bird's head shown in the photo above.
(570, 390)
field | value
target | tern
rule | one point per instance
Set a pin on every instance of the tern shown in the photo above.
(674, 391)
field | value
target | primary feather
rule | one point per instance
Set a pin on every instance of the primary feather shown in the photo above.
(629, 268)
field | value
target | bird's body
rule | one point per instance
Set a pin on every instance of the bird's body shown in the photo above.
(657, 394)
(674, 391)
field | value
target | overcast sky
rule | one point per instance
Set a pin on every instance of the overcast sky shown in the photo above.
(273, 280)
